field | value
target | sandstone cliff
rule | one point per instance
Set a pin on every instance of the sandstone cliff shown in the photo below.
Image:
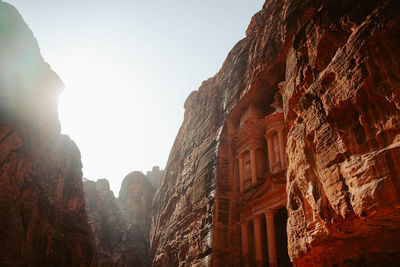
(339, 64)
(155, 176)
(121, 226)
(105, 219)
(342, 107)
(43, 221)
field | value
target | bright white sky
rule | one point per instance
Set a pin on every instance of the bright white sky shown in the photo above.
(128, 66)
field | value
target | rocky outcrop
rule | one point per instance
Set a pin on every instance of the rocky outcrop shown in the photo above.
(43, 221)
(121, 226)
(339, 66)
(342, 107)
(155, 176)
(105, 219)
(136, 197)
(198, 185)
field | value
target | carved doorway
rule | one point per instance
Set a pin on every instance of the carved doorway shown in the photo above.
(281, 237)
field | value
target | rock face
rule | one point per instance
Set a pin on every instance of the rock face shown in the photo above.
(43, 221)
(121, 226)
(155, 176)
(342, 106)
(338, 65)
(105, 220)
(136, 197)
(198, 186)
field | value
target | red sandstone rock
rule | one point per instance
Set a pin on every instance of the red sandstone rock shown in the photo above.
(195, 219)
(155, 176)
(43, 221)
(105, 219)
(342, 82)
(121, 226)
(340, 65)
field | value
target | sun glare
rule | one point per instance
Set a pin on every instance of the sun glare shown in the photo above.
(93, 108)
(126, 77)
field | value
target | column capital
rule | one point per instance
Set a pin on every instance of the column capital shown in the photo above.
(253, 147)
(257, 219)
(270, 213)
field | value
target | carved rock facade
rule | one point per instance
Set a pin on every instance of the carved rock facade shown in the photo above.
(331, 142)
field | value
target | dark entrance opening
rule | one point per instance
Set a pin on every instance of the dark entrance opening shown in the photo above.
(281, 238)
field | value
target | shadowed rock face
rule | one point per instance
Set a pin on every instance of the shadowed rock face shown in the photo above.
(340, 64)
(43, 221)
(121, 226)
(105, 220)
(136, 197)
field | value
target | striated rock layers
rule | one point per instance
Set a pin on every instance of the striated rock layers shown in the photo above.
(43, 221)
(337, 63)
(121, 225)
(342, 105)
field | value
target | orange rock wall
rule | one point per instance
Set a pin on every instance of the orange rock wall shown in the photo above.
(121, 226)
(43, 221)
(342, 106)
(339, 61)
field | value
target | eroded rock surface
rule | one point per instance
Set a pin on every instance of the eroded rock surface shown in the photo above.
(43, 221)
(198, 185)
(342, 107)
(121, 225)
(105, 219)
(338, 63)
(155, 176)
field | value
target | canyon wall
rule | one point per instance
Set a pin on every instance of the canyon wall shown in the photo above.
(43, 221)
(342, 107)
(121, 226)
(338, 65)
(198, 186)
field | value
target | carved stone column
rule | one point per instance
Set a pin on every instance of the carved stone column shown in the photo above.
(258, 241)
(245, 244)
(270, 154)
(241, 172)
(253, 166)
(282, 146)
(272, 259)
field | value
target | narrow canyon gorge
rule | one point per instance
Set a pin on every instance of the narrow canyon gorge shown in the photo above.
(286, 157)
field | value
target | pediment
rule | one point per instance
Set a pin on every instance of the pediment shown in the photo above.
(250, 135)
(271, 183)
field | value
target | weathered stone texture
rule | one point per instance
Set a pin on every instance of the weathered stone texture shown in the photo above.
(105, 219)
(155, 176)
(342, 107)
(43, 221)
(340, 64)
(185, 206)
(136, 198)
(121, 226)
